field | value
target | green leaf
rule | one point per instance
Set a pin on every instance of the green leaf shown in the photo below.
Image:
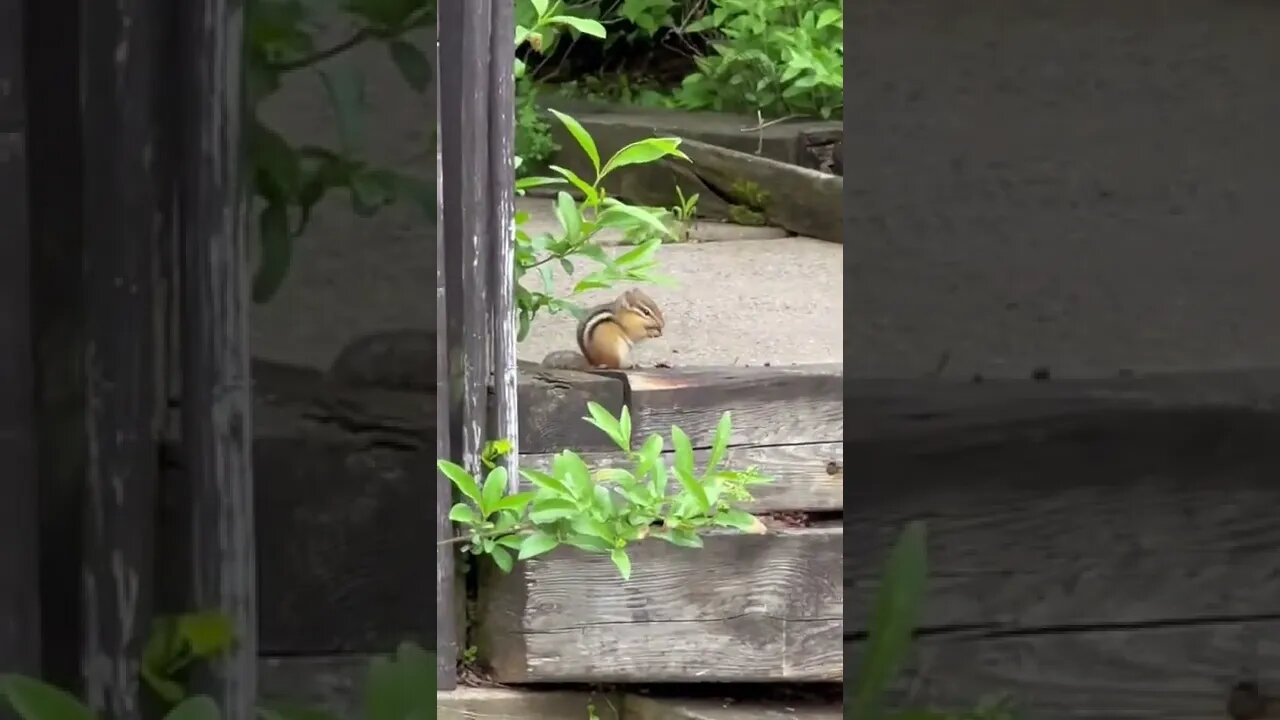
(206, 634)
(682, 537)
(651, 448)
(462, 480)
(642, 152)
(603, 419)
(721, 443)
(199, 707)
(624, 429)
(622, 562)
(345, 87)
(658, 485)
(515, 502)
(570, 218)
(684, 451)
(590, 543)
(465, 514)
(412, 63)
(893, 620)
(740, 520)
(545, 481)
(585, 26)
(536, 544)
(495, 486)
(502, 558)
(694, 488)
(581, 136)
(401, 687)
(35, 700)
(621, 214)
(551, 510)
(577, 478)
(591, 195)
(277, 251)
(277, 170)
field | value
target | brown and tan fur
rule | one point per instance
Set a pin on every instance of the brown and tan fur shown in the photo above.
(607, 333)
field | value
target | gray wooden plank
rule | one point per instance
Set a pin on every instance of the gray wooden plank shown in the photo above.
(1137, 673)
(743, 608)
(641, 707)
(1131, 519)
(769, 405)
(126, 196)
(807, 476)
(216, 395)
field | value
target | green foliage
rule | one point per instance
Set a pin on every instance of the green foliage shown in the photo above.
(178, 641)
(32, 699)
(533, 134)
(580, 224)
(290, 180)
(892, 626)
(776, 57)
(606, 509)
(400, 687)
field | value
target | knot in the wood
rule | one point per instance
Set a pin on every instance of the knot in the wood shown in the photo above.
(833, 467)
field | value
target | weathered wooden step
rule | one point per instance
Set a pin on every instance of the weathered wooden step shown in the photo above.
(639, 707)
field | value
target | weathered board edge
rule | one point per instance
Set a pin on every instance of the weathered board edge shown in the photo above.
(501, 625)
(553, 403)
(881, 410)
(1186, 672)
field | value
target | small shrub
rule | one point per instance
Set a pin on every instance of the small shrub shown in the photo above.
(606, 509)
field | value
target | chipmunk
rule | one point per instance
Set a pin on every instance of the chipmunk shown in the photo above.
(607, 333)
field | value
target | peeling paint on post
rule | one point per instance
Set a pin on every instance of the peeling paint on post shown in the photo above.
(502, 130)
(124, 197)
(216, 395)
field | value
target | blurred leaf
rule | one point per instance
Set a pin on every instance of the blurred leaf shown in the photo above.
(35, 700)
(893, 621)
(277, 251)
(402, 687)
(412, 63)
(345, 88)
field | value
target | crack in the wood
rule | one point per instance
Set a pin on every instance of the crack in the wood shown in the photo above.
(666, 621)
(985, 631)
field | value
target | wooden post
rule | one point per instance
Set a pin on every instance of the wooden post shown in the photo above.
(55, 166)
(502, 128)
(125, 206)
(446, 625)
(19, 566)
(216, 392)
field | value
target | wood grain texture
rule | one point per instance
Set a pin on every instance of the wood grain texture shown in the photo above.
(920, 409)
(806, 476)
(126, 201)
(743, 608)
(1153, 673)
(640, 707)
(553, 404)
(19, 513)
(501, 220)
(769, 405)
(341, 495)
(1130, 519)
(336, 682)
(216, 395)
